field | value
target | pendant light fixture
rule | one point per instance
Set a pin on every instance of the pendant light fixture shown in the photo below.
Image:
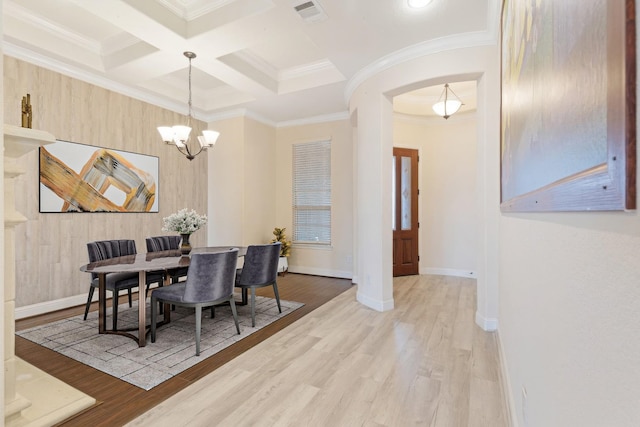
(179, 134)
(448, 104)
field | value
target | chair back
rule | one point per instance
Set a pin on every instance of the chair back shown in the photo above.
(105, 249)
(211, 276)
(163, 243)
(260, 265)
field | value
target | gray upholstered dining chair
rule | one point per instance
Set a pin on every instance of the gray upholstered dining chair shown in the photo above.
(167, 243)
(260, 269)
(210, 281)
(116, 282)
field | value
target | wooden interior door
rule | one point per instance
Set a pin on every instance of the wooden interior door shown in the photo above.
(405, 212)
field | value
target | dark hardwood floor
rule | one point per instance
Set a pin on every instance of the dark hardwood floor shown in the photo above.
(119, 402)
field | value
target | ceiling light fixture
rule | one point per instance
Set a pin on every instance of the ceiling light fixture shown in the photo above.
(416, 4)
(446, 106)
(179, 134)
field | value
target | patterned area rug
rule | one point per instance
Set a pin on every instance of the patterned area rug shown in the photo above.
(175, 346)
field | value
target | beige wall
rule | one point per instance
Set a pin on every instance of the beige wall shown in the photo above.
(261, 187)
(52, 247)
(226, 181)
(337, 260)
(447, 202)
(242, 183)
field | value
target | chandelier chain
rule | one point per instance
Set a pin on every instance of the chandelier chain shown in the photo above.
(180, 135)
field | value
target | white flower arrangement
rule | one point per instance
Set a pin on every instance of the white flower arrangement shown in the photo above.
(184, 221)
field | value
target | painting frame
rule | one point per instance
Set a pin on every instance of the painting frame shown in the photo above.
(75, 177)
(607, 185)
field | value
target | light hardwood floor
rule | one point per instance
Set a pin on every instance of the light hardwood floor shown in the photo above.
(423, 363)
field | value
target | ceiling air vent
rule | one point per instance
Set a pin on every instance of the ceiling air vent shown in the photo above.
(310, 11)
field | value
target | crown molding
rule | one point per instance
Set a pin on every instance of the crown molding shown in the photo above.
(488, 37)
(333, 117)
(190, 10)
(34, 58)
(428, 47)
(243, 112)
(306, 69)
(239, 112)
(21, 14)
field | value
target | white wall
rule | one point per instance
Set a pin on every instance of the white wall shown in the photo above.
(569, 317)
(447, 182)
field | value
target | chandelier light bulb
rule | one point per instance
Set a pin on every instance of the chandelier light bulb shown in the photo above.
(417, 4)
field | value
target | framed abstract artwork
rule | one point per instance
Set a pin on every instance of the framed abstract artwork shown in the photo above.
(83, 178)
(568, 106)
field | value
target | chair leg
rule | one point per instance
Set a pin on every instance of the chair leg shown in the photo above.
(213, 311)
(130, 300)
(153, 318)
(275, 291)
(232, 303)
(89, 298)
(253, 307)
(198, 326)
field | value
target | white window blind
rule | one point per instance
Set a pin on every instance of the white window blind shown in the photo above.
(312, 192)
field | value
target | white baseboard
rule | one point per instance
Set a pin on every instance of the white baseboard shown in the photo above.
(506, 386)
(377, 305)
(59, 304)
(487, 324)
(320, 272)
(448, 272)
(50, 306)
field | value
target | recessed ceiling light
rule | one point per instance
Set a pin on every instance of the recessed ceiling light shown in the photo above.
(418, 3)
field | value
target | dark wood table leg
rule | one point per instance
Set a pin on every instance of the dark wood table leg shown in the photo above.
(142, 308)
(166, 308)
(102, 302)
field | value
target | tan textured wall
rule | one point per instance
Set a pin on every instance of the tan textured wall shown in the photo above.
(52, 247)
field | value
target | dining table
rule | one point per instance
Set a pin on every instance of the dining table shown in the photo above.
(142, 264)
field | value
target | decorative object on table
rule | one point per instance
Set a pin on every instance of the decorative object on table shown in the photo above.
(179, 134)
(27, 111)
(184, 222)
(84, 178)
(285, 249)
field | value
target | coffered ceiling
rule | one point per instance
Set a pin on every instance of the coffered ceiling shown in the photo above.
(256, 57)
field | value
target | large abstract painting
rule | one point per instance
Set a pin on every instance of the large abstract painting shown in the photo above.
(568, 105)
(82, 178)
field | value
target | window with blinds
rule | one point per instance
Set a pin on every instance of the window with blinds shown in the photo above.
(312, 192)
